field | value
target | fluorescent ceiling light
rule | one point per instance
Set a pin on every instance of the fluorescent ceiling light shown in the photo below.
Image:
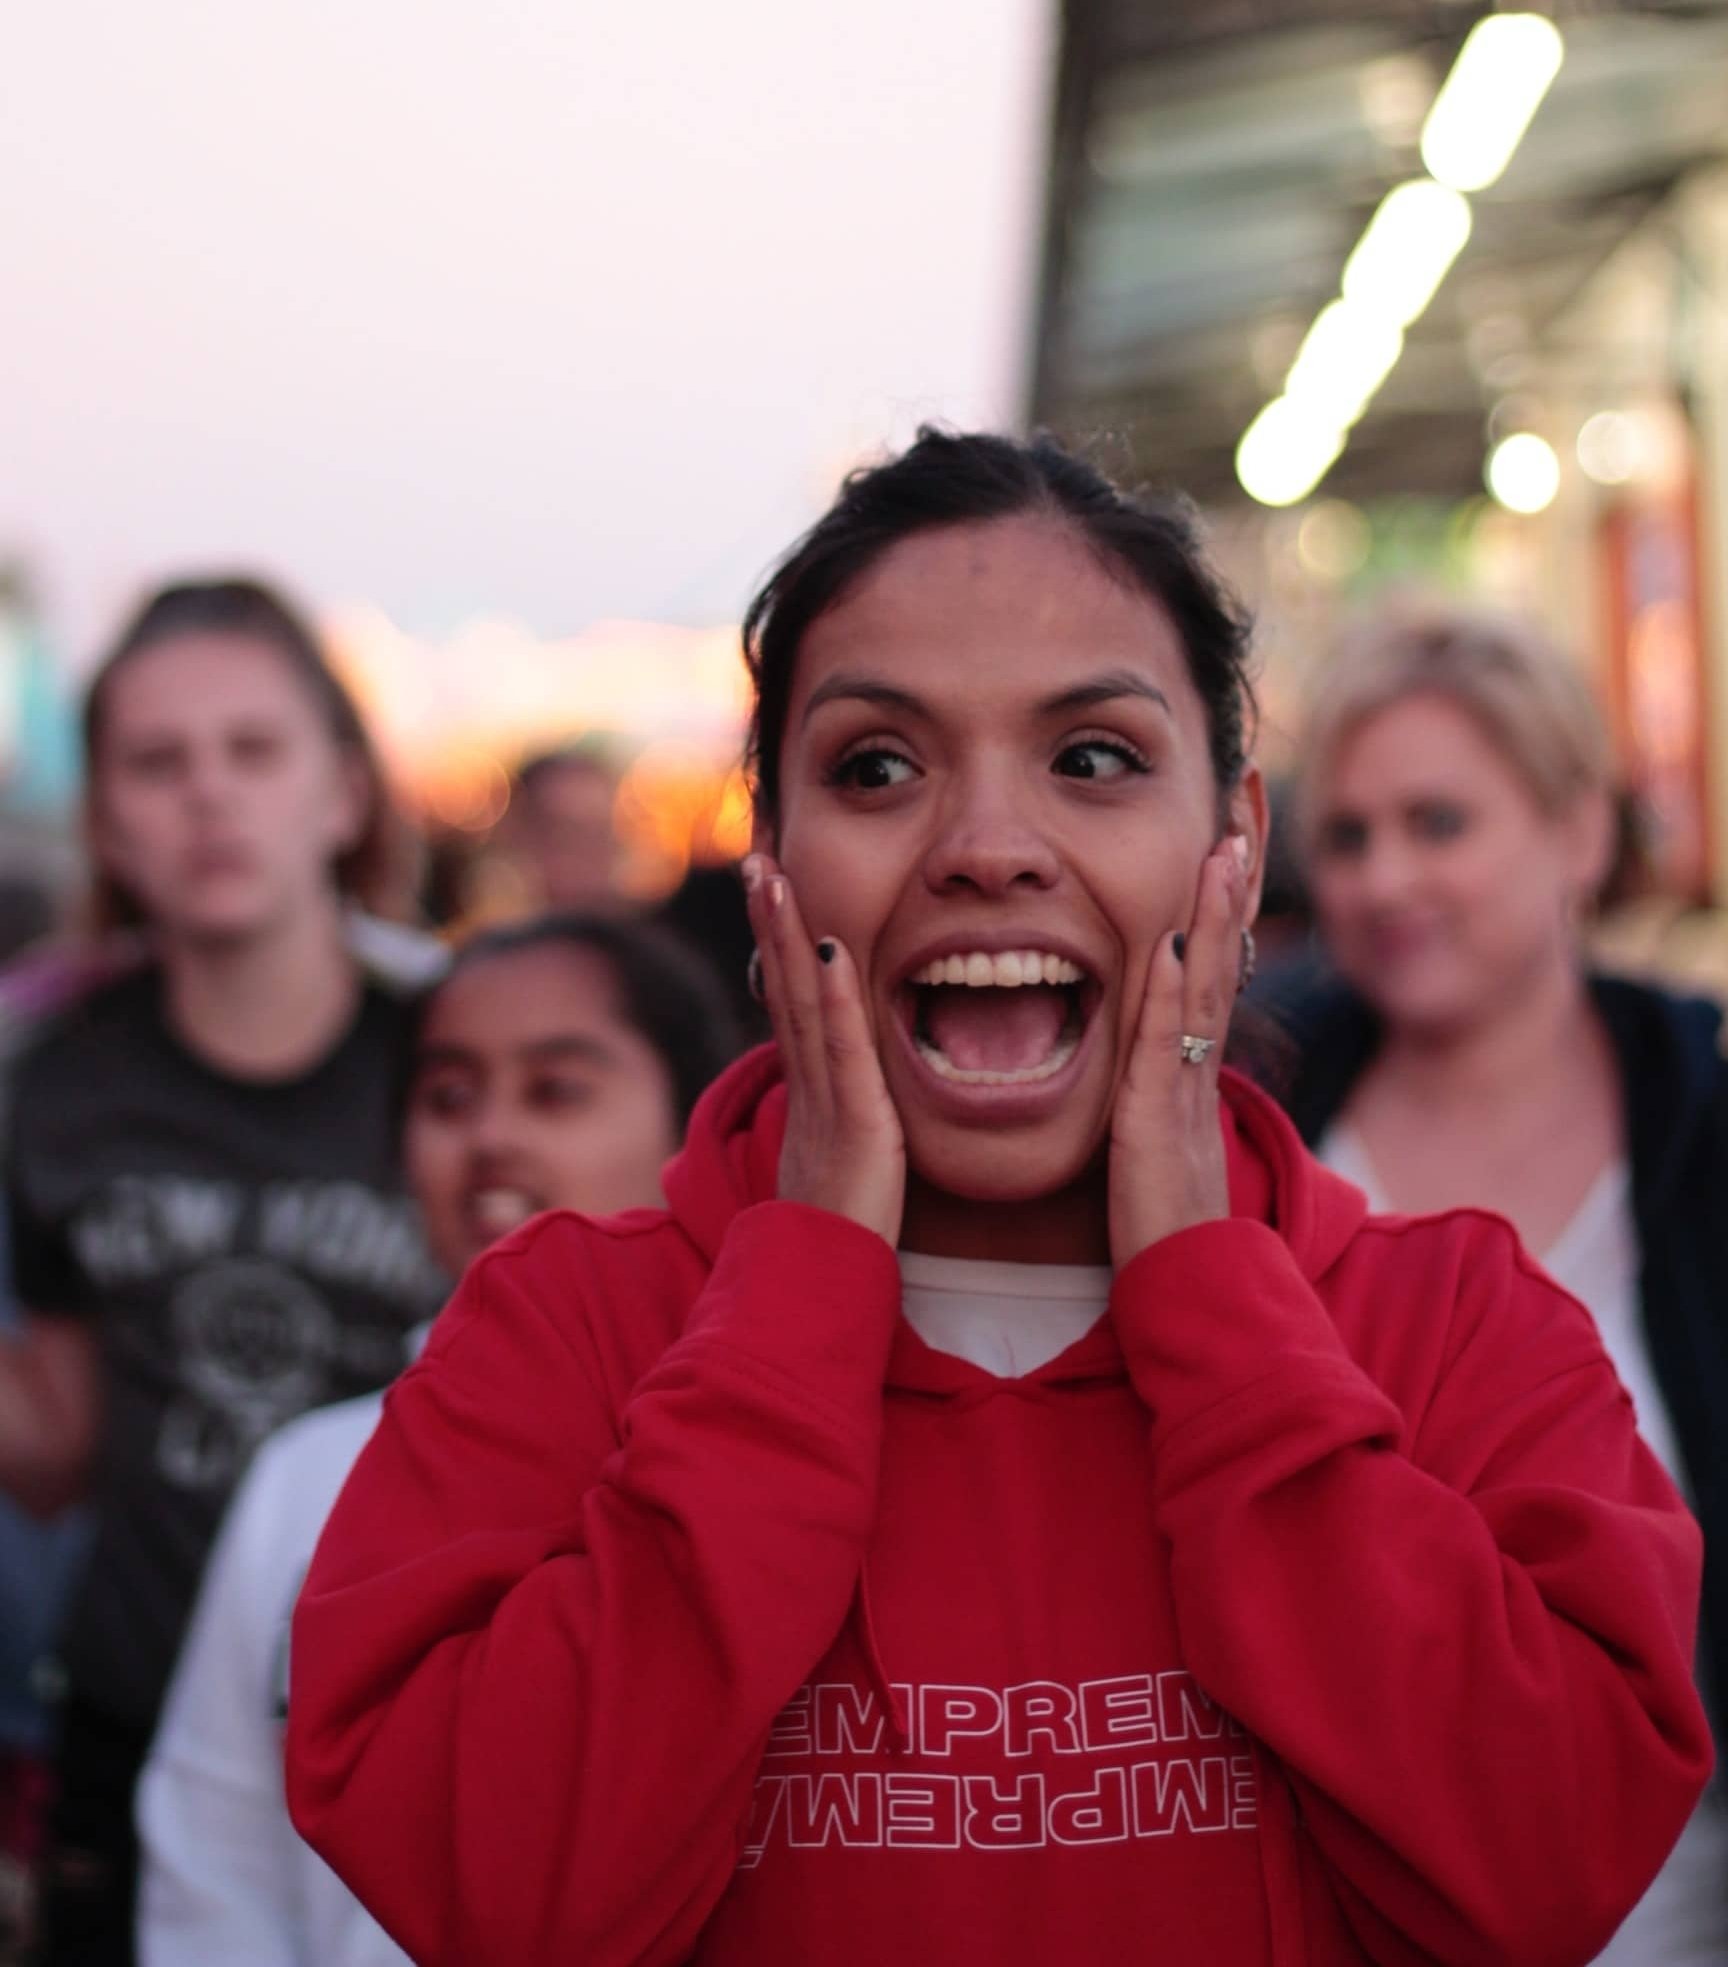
(1345, 356)
(1523, 473)
(1286, 451)
(1485, 105)
(1415, 235)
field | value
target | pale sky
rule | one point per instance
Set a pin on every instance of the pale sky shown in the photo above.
(556, 310)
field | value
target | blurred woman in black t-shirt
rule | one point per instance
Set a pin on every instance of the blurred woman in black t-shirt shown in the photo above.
(208, 1231)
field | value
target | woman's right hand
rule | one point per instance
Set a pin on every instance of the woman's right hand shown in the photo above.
(844, 1149)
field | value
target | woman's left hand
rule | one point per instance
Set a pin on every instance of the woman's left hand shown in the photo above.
(1167, 1168)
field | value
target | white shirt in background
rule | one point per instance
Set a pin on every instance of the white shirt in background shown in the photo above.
(226, 1880)
(1682, 1921)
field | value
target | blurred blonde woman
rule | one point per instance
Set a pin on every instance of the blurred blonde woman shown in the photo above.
(1456, 819)
(554, 1068)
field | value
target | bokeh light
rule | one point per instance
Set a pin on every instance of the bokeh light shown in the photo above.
(1523, 472)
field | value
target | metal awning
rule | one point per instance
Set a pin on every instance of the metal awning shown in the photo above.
(1215, 162)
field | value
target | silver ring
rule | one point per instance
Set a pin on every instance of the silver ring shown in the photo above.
(1194, 1050)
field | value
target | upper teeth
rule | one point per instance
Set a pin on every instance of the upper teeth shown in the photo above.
(1002, 971)
(503, 1208)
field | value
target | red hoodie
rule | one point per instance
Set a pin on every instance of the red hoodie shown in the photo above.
(1321, 1604)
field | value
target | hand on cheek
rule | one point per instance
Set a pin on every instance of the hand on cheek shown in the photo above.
(843, 1150)
(1167, 1168)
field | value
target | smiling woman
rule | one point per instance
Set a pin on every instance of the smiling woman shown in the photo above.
(1002, 1507)
(553, 1068)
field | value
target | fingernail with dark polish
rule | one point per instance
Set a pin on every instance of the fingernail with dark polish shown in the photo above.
(1180, 944)
(825, 949)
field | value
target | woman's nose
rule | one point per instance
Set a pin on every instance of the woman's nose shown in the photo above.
(208, 782)
(1385, 870)
(987, 845)
(490, 1133)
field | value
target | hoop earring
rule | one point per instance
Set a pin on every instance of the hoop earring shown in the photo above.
(1250, 958)
(753, 976)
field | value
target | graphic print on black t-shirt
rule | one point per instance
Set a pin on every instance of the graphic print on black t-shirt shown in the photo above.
(255, 1280)
(243, 1251)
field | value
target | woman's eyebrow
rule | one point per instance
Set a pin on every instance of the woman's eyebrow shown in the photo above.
(1105, 689)
(443, 1057)
(572, 1047)
(556, 1045)
(863, 689)
(1082, 696)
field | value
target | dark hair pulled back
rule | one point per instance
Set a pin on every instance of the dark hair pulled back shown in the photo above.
(667, 990)
(372, 871)
(946, 478)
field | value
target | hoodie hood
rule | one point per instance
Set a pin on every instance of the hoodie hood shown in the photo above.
(731, 1155)
(731, 1159)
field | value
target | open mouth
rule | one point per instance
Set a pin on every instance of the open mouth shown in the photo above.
(998, 1018)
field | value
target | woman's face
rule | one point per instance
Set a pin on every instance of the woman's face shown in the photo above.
(532, 1091)
(218, 798)
(1441, 885)
(995, 761)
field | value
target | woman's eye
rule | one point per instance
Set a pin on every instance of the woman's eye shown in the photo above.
(1099, 758)
(873, 771)
(256, 747)
(552, 1095)
(1343, 837)
(1438, 820)
(157, 762)
(445, 1099)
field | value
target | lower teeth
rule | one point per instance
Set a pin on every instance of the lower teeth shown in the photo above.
(940, 1064)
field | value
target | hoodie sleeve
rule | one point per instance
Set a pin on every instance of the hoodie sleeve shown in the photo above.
(542, 1643)
(1466, 1633)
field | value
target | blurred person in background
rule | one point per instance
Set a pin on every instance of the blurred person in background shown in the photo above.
(36, 1559)
(209, 1232)
(1012, 1505)
(1458, 825)
(555, 1068)
(29, 914)
(1284, 928)
(558, 832)
(707, 911)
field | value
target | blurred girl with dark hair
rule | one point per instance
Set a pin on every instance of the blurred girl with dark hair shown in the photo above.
(554, 1068)
(1012, 1505)
(208, 1230)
